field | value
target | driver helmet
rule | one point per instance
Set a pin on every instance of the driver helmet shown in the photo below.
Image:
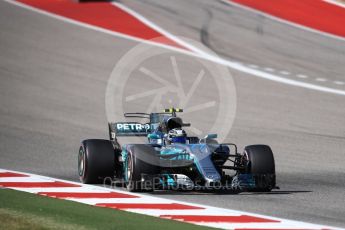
(177, 135)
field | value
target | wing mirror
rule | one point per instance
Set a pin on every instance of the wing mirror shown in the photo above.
(211, 136)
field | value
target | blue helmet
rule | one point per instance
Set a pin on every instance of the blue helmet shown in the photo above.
(177, 135)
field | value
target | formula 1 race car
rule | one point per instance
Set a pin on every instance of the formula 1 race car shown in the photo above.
(173, 160)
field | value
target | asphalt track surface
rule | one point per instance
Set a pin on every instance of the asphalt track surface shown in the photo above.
(54, 74)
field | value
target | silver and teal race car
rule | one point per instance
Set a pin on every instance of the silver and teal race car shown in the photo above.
(173, 160)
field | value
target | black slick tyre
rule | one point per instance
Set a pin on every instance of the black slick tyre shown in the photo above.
(260, 163)
(96, 161)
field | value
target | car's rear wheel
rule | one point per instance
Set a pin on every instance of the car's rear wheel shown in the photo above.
(260, 163)
(96, 161)
(141, 160)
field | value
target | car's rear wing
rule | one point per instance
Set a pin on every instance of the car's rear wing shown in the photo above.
(128, 129)
(168, 116)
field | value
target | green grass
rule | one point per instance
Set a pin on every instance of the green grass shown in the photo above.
(21, 210)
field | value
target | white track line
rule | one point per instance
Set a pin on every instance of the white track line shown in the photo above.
(334, 2)
(93, 201)
(339, 82)
(284, 72)
(302, 76)
(253, 66)
(269, 69)
(283, 20)
(23, 179)
(199, 52)
(143, 198)
(321, 79)
(76, 189)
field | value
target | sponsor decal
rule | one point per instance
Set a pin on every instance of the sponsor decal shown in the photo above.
(132, 128)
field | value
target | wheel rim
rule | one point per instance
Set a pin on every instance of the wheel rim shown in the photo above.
(129, 168)
(81, 162)
(246, 161)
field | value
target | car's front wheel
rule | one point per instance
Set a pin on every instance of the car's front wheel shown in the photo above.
(141, 160)
(260, 163)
